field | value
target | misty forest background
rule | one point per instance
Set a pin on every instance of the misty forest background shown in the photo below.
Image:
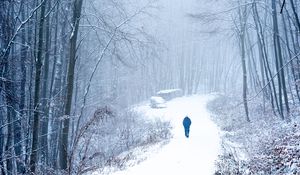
(70, 69)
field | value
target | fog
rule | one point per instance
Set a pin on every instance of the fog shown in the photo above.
(171, 49)
(85, 84)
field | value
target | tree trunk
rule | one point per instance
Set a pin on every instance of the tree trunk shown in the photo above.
(38, 66)
(45, 91)
(23, 58)
(70, 82)
(290, 56)
(279, 62)
(244, 76)
(296, 16)
(242, 38)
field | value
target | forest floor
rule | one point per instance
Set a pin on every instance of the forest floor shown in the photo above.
(266, 145)
(193, 155)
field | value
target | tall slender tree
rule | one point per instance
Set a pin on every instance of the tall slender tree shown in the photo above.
(38, 70)
(77, 7)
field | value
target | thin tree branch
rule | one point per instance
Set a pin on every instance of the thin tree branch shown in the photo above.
(282, 6)
(287, 63)
(20, 27)
(52, 8)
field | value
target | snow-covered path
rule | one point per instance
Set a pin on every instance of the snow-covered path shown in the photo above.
(195, 155)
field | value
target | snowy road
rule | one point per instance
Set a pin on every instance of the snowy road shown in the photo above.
(195, 155)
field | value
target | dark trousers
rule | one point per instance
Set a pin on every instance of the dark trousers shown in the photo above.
(187, 131)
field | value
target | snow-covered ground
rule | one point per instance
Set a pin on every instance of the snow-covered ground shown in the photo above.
(194, 155)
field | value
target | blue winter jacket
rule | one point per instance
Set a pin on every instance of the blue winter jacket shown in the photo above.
(187, 122)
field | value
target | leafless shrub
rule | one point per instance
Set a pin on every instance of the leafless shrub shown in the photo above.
(102, 139)
(272, 145)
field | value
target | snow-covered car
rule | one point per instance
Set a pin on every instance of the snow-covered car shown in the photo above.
(157, 102)
(169, 94)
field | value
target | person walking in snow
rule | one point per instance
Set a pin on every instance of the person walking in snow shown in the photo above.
(186, 124)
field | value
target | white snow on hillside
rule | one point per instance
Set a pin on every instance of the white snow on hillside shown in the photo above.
(192, 156)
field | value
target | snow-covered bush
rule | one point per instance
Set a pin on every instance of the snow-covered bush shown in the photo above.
(106, 139)
(270, 144)
(228, 165)
(281, 155)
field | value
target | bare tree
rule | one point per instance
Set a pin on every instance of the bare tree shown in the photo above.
(38, 67)
(77, 7)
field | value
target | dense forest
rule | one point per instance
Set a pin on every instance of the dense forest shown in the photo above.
(72, 68)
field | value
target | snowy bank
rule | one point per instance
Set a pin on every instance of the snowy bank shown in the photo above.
(266, 145)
